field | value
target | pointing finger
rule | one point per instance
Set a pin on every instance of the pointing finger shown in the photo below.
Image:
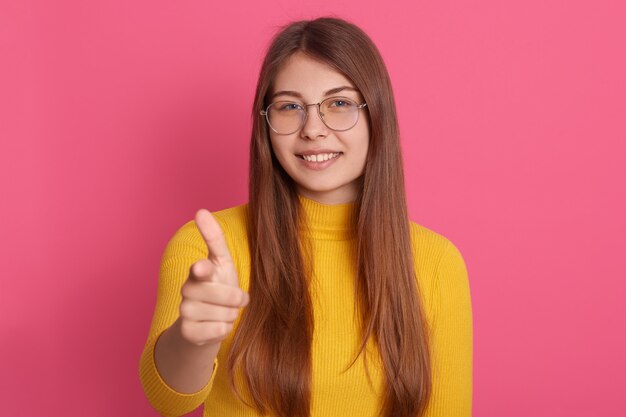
(213, 236)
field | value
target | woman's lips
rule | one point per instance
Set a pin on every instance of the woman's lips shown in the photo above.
(318, 166)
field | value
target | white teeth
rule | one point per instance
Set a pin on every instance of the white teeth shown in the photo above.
(321, 157)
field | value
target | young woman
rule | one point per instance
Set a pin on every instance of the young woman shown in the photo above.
(318, 297)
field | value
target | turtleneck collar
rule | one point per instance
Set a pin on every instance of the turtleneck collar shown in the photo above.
(329, 221)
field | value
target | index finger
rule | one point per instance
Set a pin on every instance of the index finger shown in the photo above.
(213, 236)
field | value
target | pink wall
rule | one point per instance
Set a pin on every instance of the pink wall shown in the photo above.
(119, 119)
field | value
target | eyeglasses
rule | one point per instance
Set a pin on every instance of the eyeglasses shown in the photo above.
(337, 113)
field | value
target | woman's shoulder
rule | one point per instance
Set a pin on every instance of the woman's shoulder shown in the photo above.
(433, 251)
(232, 221)
(440, 268)
(426, 238)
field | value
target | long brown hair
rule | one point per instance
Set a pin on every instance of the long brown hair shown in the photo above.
(272, 345)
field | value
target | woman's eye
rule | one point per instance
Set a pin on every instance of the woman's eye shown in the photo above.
(289, 106)
(340, 103)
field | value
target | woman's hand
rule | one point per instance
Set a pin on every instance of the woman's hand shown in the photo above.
(212, 298)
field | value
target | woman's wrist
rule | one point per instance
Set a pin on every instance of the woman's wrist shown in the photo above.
(184, 366)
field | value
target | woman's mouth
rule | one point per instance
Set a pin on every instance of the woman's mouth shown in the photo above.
(319, 161)
(321, 157)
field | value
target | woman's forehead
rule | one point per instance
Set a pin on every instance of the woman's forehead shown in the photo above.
(303, 74)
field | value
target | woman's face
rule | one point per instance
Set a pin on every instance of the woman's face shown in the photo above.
(337, 180)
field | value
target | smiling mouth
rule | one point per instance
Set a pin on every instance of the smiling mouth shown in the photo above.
(320, 157)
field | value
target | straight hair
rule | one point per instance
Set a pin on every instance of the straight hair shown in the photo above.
(272, 344)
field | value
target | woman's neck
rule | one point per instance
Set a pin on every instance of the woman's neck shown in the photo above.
(329, 221)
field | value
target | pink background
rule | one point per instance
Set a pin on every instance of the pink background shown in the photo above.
(119, 119)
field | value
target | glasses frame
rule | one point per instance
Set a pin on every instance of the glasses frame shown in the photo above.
(306, 113)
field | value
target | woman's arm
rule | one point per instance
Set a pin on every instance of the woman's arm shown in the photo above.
(452, 339)
(167, 392)
(198, 301)
(184, 366)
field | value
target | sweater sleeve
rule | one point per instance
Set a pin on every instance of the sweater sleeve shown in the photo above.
(185, 248)
(452, 339)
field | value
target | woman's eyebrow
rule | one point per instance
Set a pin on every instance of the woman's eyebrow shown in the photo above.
(338, 89)
(286, 93)
(298, 95)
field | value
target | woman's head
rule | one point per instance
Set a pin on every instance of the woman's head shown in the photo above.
(309, 58)
(337, 135)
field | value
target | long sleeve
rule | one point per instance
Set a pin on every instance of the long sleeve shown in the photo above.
(452, 339)
(337, 391)
(185, 248)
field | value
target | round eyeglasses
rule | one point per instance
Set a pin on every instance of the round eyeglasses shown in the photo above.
(337, 113)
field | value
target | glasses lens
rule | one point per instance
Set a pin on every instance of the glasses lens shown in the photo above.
(285, 117)
(339, 113)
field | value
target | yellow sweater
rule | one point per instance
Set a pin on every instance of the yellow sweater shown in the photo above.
(445, 293)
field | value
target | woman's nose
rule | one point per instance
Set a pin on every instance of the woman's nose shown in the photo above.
(314, 126)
